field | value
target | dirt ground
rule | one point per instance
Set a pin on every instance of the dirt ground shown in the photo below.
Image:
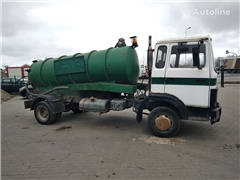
(5, 96)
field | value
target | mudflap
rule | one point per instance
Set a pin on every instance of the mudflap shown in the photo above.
(215, 114)
(27, 103)
(140, 109)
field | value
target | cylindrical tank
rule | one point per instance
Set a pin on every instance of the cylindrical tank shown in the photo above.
(117, 65)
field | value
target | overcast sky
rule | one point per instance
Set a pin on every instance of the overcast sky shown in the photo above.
(36, 30)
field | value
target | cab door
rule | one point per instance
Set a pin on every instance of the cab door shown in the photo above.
(186, 81)
(158, 69)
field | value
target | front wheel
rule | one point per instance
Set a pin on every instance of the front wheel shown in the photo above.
(163, 122)
(43, 113)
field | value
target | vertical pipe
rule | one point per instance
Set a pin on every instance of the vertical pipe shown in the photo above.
(22, 72)
(222, 76)
(150, 61)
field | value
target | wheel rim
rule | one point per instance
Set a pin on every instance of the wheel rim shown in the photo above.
(163, 122)
(42, 113)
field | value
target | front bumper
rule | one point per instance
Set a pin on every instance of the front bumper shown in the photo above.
(215, 114)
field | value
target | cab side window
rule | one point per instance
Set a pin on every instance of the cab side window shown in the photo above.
(185, 59)
(161, 56)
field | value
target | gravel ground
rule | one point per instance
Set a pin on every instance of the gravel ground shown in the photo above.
(5, 96)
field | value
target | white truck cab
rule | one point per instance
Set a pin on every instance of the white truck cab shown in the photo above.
(183, 84)
(175, 73)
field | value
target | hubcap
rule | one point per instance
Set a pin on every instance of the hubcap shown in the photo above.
(42, 113)
(163, 122)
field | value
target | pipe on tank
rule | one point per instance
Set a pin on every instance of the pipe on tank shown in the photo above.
(46, 92)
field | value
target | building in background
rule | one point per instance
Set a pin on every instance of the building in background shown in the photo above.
(17, 72)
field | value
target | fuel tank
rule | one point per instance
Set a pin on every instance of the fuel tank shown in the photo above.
(116, 65)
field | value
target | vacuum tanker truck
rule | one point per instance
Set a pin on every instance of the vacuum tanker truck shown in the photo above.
(181, 84)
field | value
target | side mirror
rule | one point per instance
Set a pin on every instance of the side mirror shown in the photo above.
(196, 60)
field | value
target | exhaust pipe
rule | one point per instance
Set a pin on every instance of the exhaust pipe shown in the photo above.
(150, 61)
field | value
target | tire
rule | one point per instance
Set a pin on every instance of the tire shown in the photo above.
(58, 116)
(163, 122)
(43, 113)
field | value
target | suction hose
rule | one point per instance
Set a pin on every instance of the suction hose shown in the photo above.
(49, 91)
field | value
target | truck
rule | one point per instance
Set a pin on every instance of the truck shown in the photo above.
(231, 64)
(182, 84)
(15, 71)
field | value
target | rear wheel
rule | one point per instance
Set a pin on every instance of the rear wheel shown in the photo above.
(163, 122)
(58, 116)
(43, 113)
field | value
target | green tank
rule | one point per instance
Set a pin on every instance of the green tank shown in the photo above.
(114, 65)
